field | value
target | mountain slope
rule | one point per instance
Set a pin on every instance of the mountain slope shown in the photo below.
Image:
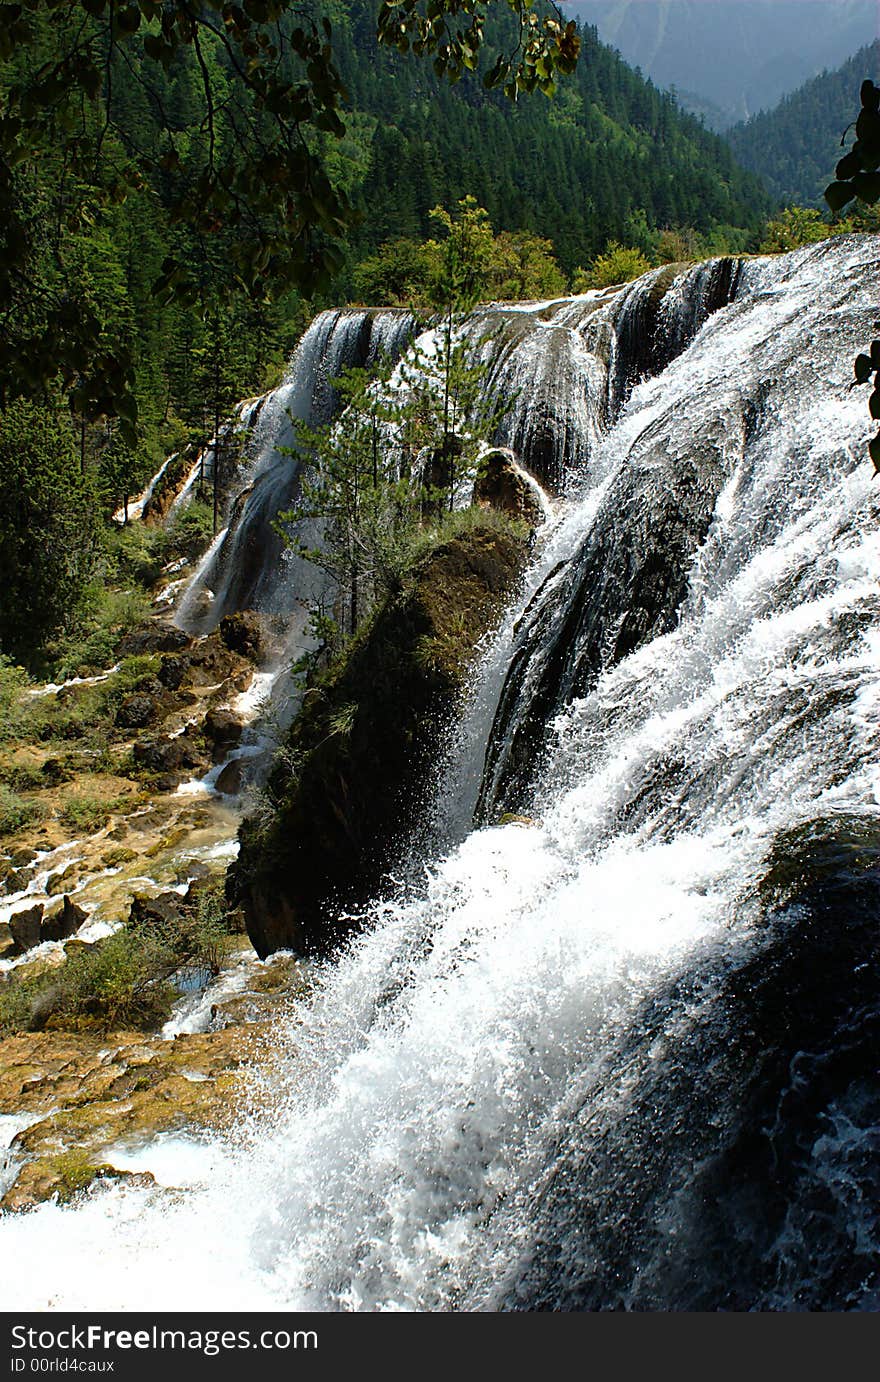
(579, 169)
(794, 148)
(728, 59)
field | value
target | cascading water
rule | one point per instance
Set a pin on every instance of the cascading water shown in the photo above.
(244, 568)
(622, 1057)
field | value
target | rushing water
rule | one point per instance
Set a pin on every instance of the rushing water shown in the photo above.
(623, 1056)
(244, 568)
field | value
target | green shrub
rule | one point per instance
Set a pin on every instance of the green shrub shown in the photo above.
(128, 979)
(87, 813)
(189, 533)
(22, 777)
(90, 646)
(617, 264)
(13, 709)
(16, 812)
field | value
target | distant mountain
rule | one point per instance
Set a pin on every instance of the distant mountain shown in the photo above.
(794, 148)
(729, 59)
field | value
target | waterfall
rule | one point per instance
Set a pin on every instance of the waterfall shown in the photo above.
(246, 568)
(623, 1057)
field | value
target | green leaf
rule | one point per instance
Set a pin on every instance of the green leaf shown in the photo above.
(863, 369)
(837, 194)
(849, 165)
(867, 187)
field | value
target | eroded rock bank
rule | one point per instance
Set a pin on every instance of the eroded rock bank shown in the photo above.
(354, 773)
(82, 1104)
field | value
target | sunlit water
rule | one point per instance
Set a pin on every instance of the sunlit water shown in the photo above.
(508, 1088)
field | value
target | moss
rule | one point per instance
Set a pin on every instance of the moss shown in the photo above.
(74, 1171)
(16, 811)
(349, 782)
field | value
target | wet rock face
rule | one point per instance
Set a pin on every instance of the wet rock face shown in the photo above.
(154, 637)
(366, 741)
(772, 1106)
(623, 589)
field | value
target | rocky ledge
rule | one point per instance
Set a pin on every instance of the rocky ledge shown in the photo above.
(80, 1097)
(355, 771)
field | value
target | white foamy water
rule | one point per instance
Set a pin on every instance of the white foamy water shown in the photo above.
(487, 1042)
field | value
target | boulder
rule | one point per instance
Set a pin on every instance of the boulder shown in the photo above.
(503, 485)
(210, 661)
(222, 729)
(55, 771)
(243, 633)
(149, 686)
(136, 711)
(156, 636)
(64, 922)
(172, 671)
(16, 881)
(24, 927)
(169, 755)
(165, 910)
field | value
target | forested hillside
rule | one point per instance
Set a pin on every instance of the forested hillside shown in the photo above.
(795, 146)
(607, 156)
(578, 168)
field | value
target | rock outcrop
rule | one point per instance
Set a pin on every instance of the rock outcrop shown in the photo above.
(503, 485)
(365, 744)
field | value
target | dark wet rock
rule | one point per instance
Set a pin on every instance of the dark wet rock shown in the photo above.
(211, 662)
(229, 781)
(222, 729)
(16, 881)
(21, 858)
(172, 671)
(24, 927)
(757, 1145)
(64, 922)
(55, 771)
(501, 485)
(150, 686)
(366, 743)
(154, 637)
(169, 755)
(622, 589)
(60, 880)
(243, 633)
(163, 911)
(136, 711)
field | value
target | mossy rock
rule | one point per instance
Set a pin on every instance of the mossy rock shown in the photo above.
(364, 747)
(64, 1177)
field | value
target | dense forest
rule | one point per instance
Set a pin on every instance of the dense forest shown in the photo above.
(793, 147)
(608, 157)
